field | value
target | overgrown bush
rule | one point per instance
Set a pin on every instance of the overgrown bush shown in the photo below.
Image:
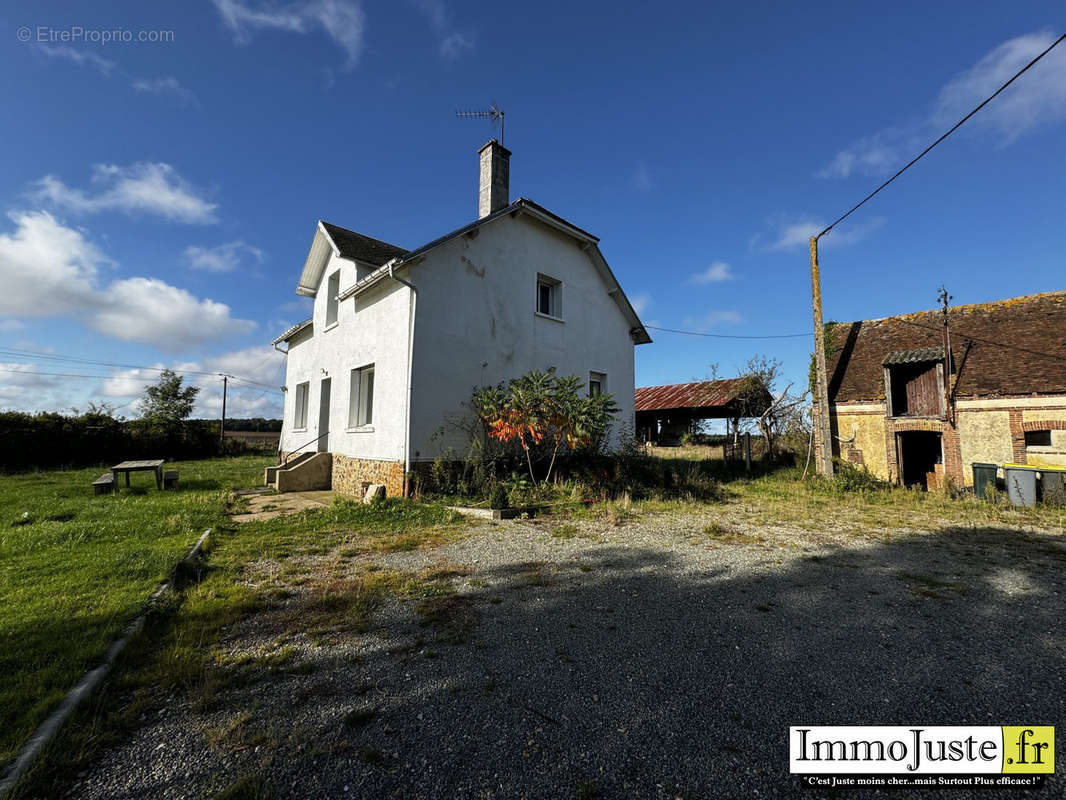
(848, 478)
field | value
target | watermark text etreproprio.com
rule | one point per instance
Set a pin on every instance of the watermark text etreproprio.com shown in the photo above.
(76, 34)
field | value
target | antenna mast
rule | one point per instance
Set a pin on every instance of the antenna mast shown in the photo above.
(494, 113)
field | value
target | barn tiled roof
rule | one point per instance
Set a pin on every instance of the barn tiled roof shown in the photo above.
(701, 394)
(1006, 348)
(913, 356)
(362, 248)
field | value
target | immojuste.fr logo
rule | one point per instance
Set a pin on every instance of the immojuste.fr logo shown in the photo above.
(934, 750)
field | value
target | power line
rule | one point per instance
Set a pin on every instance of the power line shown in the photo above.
(107, 377)
(729, 336)
(37, 355)
(955, 127)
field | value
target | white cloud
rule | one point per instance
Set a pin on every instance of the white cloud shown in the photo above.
(716, 273)
(342, 20)
(49, 270)
(452, 44)
(83, 58)
(796, 234)
(640, 302)
(129, 382)
(251, 366)
(46, 269)
(223, 257)
(172, 319)
(143, 187)
(1037, 98)
(713, 320)
(164, 86)
(10, 325)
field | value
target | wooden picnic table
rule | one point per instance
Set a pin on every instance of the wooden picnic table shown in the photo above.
(151, 465)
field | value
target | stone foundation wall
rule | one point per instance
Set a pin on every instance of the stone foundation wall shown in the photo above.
(350, 475)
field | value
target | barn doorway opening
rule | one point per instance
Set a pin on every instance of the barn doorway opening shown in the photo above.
(919, 454)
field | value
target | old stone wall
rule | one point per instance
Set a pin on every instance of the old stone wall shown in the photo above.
(352, 475)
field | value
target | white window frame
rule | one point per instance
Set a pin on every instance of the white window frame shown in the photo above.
(333, 288)
(360, 405)
(555, 297)
(300, 398)
(597, 377)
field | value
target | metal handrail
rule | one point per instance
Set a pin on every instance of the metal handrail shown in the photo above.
(285, 460)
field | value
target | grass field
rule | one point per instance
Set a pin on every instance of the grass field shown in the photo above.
(76, 568)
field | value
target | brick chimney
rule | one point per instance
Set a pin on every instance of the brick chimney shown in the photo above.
(494, 184)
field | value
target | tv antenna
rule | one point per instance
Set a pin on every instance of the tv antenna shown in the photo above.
(494, 113)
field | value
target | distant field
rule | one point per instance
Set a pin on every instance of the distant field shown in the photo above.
(265, 440)
(76, 568)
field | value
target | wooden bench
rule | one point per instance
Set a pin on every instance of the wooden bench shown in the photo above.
(170, 479)
(105, 484)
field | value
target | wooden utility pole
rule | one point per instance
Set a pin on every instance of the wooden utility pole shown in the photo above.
(945, 299)
(823, 438)
(222, 426)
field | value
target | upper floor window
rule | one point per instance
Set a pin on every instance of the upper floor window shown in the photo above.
(549, 297)
(914, 383)
(333, 288)
(300, 415)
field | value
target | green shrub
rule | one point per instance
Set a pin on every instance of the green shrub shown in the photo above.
(498, 496)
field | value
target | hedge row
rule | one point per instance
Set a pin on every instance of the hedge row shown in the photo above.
(48, 441)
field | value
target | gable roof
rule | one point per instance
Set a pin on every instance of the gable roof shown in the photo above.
(1005, 348)
(713, 396)
(290, 332)
(518, 207)
(358, 247)
(330, 238)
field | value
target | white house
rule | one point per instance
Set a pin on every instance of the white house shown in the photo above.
(399, 338)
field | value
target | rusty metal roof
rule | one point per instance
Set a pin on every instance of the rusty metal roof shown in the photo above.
(701, 394)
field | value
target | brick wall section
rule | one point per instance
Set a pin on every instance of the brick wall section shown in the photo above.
(350, 475)
(952, 454)
(1017, 436)
(1044, 425)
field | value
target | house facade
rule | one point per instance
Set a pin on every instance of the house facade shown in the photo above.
(912, 416)
(398, 339)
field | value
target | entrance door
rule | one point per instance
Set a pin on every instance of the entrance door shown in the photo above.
(919, 453)
(323, 415)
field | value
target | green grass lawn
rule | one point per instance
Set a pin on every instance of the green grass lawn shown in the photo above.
(76, 568)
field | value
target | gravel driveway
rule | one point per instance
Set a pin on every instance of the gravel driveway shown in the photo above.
(659, 658)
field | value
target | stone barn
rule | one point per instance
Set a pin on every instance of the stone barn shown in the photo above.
(912, 416)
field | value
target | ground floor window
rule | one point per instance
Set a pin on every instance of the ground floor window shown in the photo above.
(597, 383)
(361, 397)
(300, 416)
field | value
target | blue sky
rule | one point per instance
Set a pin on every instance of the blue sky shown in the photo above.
(159, 196)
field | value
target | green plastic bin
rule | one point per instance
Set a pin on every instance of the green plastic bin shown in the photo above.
(984, 475)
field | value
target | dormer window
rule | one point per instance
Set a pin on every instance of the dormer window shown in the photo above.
(333, 288)
(914, 383)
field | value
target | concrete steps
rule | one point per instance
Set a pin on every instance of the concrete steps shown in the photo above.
(303, 473)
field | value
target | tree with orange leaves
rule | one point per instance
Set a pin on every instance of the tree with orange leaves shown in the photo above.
(544, 413)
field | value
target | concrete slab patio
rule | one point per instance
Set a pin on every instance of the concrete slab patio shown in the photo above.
(270, 505)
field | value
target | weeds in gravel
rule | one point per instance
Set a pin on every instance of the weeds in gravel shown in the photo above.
(360, 716)
(248, 787)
